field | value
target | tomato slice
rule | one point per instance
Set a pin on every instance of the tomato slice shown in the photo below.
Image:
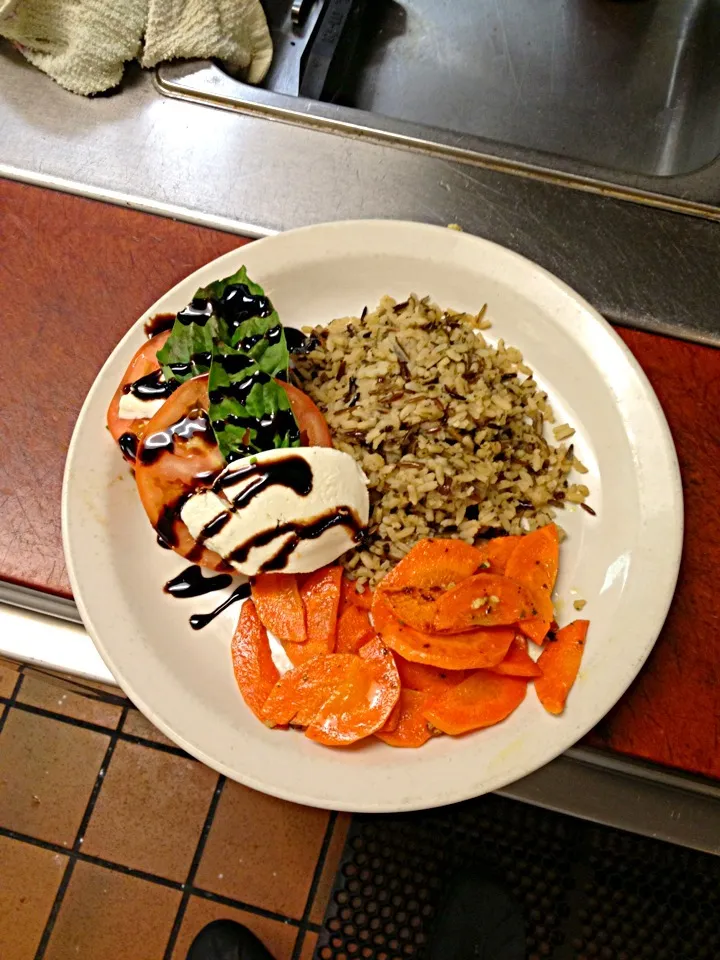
(143, 363)
(178, 454)
(314, 431)
(173, 461)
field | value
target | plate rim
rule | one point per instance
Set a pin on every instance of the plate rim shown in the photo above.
(469, 791)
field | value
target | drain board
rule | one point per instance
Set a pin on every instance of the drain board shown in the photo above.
(586, 891)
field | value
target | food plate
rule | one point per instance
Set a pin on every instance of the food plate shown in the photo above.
(623, 561)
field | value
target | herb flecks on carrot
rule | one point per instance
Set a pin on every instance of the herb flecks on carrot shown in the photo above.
(495, 553)
(483, 600)
(433, 563)
(253, 666)
(279, 605)
(534, 563)
(482, 700)
(560, 662)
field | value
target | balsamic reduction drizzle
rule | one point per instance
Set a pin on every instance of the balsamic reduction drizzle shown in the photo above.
(240, 389)
(192, 583)
(291, 471)
(184, 429)
(197, 311)
(159, 324)
(151, 387)
(297, 342)
(128, 443)
(237, 304)
(200, 620)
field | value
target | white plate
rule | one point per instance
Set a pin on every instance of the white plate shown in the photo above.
(624, 562)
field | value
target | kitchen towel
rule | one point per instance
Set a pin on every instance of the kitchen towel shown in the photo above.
(84, 44)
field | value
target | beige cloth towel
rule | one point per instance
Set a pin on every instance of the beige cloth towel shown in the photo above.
(84, 44)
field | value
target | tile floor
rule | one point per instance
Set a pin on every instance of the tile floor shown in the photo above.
(115, 844)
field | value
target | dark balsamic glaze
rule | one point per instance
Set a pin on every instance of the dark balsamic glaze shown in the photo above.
(151, 387)
(237, 304)
(192, 583)
(289, 471)
(162, 543)
(240, 389)
(164, 440)
(197, 311)
(200, 620)
(159, 324)
(297, 342)
(300, 530)
(128, 443)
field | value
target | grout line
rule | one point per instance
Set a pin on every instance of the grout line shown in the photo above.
(10, 701)
(62, 889)
(188, 886)
(314, 883)
(247, 907)
(98, 728)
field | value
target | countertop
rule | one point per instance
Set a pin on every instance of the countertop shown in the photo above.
(81, 272)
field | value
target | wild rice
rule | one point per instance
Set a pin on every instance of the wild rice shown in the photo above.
(448, 429)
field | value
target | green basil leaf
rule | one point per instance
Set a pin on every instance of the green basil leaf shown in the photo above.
(249, 410)
(214, 290)
(263, 339)
(188, 351)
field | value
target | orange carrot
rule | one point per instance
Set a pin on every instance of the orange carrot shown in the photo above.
(534, 563)
(495, 553)
(350, 594)
(254, 670)
(415, 606)
(280, 606)
(300, 693)
(420, 676)
(433, 563)
(362, 703)
(411, 728)
(451, 651)
(518, 662)
(484, 600)
(560, 662)
(353, 630)
(392, 722)
(482, 700)
(320, 594)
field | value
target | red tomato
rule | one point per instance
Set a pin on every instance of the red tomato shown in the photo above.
(314, 430)
(143, 363)
(166, 476)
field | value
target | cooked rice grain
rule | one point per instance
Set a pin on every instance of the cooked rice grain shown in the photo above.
(448, 429)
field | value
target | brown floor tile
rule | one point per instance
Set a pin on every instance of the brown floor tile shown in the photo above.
(278, 937)
(150, 811)
(8, 676)
(47, 772)
(29, 878)
(308, 947)
(262, 851)
(111, 915)
(137, 725)
(39, 692)
(332, 861)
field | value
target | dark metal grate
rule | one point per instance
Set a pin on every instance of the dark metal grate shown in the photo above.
(586, 891)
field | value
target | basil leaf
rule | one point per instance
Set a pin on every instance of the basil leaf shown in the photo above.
(249, 411)
(189, 349)
(263, 339)
(215, 290)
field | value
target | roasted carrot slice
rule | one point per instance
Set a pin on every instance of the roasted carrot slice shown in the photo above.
(518, 662)
(300, 693)
(362, 703)
(420, 676)
(451, 651)
(411, 728)
(534, 563)
(482, 700)
(560, 662)
(495, 553)
(483, 600)
(280, 606)
(353, 630)
(433, 563)
(320, 594)
(255, 672)
(415, 606)
(351, 594)
(391, 724)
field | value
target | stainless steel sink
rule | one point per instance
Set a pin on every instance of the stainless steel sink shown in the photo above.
(604, 94)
